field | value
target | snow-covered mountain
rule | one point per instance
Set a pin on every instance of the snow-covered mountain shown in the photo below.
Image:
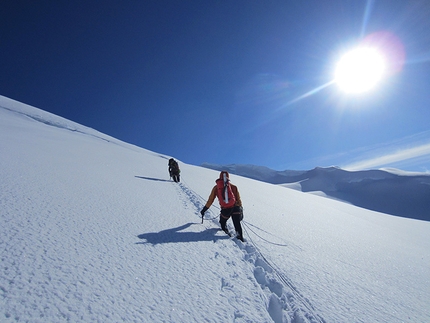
(388, 191)
(93, 230)
(260, 173)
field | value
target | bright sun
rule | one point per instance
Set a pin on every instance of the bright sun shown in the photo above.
(360, 70)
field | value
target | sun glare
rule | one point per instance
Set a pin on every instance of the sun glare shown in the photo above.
(360, 70)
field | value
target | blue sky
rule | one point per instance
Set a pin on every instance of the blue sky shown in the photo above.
(225, 81)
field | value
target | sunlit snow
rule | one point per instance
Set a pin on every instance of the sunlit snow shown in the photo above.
(93, 230)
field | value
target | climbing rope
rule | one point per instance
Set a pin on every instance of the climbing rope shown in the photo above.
(283, 278)
(248, 225)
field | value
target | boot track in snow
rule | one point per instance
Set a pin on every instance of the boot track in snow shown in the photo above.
(285, 303)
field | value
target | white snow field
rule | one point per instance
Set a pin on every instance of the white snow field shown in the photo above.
(93, 230)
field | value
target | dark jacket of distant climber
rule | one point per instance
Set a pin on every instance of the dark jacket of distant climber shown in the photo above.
(174, 170)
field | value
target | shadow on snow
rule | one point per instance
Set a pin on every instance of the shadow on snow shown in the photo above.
(153, 179)
(175, 235)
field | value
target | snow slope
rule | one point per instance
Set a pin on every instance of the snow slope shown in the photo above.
(93, 230)
(388, 191)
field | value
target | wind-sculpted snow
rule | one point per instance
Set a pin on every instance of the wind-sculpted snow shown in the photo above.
(52, 120)
(40, 115)
(95, 231)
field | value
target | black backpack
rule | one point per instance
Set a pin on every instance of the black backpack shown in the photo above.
(173, 165)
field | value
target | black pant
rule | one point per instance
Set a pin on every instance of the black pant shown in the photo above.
(175, 176)
(236, 216)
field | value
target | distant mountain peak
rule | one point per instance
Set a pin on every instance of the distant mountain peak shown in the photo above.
(384, 190)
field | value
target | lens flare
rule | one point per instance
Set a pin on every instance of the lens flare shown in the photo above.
(392, 48)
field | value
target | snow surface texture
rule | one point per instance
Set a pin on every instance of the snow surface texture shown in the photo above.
(388, 191)
(93, 230)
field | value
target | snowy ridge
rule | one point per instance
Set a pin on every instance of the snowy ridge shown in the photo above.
(388, 191)
(53, 120)
(260, 173)
(95, 231)
(41, 116)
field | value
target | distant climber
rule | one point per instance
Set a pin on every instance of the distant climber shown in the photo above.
(174, 170)
(230, 202)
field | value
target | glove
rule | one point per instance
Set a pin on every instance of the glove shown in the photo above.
(202, 212)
